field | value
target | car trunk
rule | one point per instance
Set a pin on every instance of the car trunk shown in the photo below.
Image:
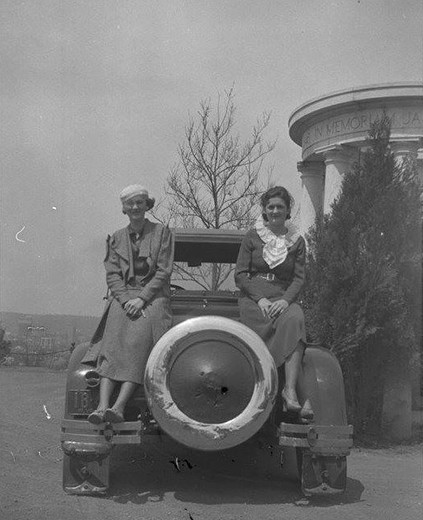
(189, 304)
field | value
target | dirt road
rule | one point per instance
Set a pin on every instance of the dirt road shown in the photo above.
(146, 484)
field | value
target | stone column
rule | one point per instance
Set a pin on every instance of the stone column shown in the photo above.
(416, 150)
(397, 398)
(402, 149)
(401, 392)
(420, 162)
(338, 160)
(397, 402)
(313, 185)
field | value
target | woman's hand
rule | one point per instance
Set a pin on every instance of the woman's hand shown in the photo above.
(134, 307)
(277, 308)
(264, 305)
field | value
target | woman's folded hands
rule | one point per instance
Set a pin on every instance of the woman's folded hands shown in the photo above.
(272, 309)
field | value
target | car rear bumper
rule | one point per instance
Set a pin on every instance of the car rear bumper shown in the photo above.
(79, 432)
(318, 439)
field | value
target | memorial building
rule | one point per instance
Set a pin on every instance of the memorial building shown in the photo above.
(332, 131)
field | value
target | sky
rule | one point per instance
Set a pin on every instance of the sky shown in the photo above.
(95, 95)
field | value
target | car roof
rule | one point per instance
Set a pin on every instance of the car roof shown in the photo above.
(197, 245)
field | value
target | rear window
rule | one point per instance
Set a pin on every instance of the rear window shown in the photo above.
(205, 259)
(206, 277)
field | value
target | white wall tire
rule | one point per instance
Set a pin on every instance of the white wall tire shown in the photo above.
(239, 343)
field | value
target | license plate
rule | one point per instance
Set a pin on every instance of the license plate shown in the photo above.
(80, 402)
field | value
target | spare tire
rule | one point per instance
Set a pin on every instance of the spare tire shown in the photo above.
(210, 383)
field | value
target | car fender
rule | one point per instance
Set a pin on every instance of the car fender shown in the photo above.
(322, 382)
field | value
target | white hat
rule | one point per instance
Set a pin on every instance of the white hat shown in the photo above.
(131, 191)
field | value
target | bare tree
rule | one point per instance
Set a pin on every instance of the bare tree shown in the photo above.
(216, 182)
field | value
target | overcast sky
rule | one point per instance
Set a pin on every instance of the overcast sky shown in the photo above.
(95, 95)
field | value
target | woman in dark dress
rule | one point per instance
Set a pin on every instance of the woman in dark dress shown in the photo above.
(138, 267)
(270, 273)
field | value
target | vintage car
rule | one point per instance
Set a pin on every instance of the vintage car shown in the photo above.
(210, 384)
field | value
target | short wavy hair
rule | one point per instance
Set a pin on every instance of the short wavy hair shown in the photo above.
(150, 204)
(282, 193)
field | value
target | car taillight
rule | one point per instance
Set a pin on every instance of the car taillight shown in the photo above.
(92, 378)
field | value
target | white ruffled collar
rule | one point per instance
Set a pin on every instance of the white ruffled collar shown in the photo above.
(275, 249)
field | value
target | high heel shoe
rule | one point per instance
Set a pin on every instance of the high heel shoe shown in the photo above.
(290, 405)
(96, 417)
(113, 416)
(306, 412)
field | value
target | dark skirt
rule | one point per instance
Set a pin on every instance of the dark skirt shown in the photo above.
(122, 348)
(281, 334)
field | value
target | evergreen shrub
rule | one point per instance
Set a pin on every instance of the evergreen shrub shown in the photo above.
(363, 292)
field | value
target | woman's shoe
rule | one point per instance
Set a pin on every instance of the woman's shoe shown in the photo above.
(96, 417)
(306, 412)
(289, 404)
(113, 416)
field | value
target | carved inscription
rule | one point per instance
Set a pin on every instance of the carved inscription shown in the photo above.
(360, 122)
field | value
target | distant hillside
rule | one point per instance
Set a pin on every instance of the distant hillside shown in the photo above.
(79, 327)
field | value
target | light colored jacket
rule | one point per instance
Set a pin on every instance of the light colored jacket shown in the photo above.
(157, 247)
